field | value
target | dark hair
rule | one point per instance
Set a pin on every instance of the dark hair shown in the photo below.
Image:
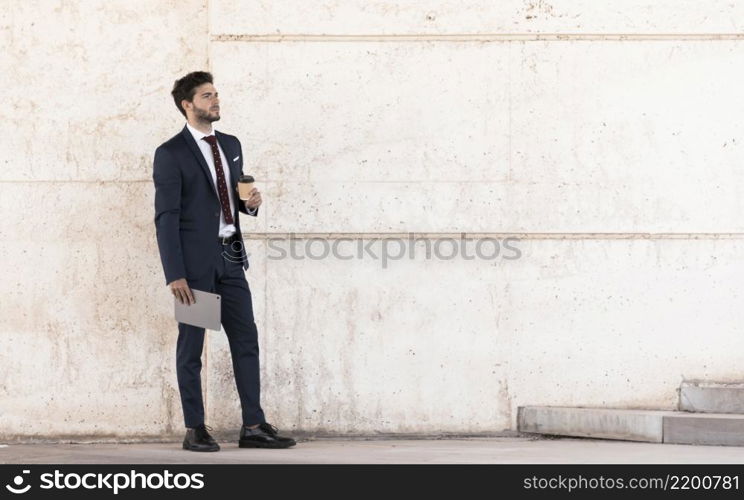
(185, 88)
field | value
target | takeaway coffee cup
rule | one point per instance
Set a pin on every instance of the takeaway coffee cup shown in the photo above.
(245, 185)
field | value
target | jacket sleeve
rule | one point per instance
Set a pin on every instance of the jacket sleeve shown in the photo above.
(167, 178)
(241, 204)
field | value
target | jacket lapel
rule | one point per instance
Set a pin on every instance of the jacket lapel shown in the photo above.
(199, 157)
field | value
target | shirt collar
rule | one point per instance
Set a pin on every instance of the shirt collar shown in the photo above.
(196, 133)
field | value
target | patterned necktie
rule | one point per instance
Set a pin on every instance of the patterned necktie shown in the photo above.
(221, 184)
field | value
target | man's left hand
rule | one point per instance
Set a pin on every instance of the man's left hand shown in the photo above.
(255, 200)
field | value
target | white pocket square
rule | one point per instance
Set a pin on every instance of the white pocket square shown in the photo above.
(236, 158)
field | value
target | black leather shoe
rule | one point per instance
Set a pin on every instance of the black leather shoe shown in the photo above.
(263, 436)
(198, 439)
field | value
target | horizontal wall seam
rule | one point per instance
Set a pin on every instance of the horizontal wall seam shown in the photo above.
(495, 235)
(482, 37)
(300, 181)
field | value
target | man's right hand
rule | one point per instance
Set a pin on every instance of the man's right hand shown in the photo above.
(182, 292)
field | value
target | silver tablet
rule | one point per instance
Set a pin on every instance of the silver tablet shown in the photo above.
(204, 312)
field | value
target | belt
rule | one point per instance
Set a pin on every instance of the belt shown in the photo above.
(226, 240)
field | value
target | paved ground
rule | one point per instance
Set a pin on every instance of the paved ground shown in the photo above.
(433, 451)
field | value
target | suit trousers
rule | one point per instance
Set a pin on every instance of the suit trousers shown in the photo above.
(228, 280)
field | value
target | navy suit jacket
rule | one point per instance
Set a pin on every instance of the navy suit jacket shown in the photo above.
(187, 207)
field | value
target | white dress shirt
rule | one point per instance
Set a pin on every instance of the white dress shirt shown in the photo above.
(206, 150)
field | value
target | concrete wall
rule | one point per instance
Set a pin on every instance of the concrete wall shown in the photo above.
(86, 340)
(606, 137)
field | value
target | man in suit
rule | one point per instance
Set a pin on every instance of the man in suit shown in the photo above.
(198, 232)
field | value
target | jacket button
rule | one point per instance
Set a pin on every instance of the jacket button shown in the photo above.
(216, 214)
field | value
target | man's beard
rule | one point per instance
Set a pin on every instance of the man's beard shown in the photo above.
(204, 115)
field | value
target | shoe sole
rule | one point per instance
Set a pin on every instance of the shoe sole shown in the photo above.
(188, 448)
(243, 444)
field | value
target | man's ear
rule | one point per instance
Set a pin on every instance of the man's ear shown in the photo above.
(185, 103)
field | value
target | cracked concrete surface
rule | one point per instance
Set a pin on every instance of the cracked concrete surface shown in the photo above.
(332, 451)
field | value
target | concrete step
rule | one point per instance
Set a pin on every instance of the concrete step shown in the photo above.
(654, 426)
(711, 397)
